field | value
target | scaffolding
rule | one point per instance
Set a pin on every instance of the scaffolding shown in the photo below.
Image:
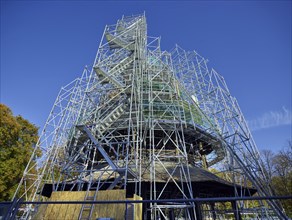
(152, 123)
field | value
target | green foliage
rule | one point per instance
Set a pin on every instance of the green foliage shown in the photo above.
(278, 169)
(282, 180)
(17, 137)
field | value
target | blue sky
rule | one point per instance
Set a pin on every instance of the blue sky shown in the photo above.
(46, 44)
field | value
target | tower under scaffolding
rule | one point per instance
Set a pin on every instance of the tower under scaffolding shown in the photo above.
(151, 125)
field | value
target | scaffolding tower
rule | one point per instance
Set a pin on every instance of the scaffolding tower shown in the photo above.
(153, 123)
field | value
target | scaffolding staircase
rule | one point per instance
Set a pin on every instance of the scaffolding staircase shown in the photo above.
(105, 123)
(102, 127)
(123, 65)
(117, 43)
(117, 70)
(106, 77)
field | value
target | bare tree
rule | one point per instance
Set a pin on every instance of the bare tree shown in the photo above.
(278, 168)
(267, 158)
